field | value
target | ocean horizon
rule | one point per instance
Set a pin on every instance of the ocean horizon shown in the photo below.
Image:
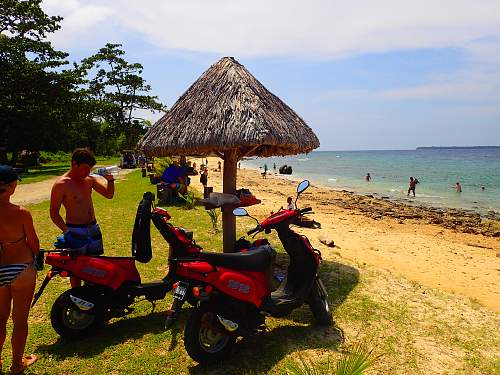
(437, 169)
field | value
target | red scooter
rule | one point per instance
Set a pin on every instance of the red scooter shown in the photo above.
(234, 290)
(112, 284)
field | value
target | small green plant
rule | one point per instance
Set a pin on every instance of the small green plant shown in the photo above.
(305, 368)
(190, 200)
(352, 362)
(214, 218)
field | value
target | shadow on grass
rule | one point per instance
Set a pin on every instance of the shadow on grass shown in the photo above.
(43, 172)
(112, 334)
(279, 341)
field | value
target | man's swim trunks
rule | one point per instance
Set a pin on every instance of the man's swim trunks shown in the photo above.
(84, 237)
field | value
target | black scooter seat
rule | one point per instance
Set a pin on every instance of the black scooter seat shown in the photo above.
(258, 259)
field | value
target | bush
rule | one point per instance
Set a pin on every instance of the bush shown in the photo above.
(161, 164)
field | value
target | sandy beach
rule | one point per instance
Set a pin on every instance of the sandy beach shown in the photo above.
(392, 237)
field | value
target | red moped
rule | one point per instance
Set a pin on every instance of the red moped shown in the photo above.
(234, 290)
(112, 285)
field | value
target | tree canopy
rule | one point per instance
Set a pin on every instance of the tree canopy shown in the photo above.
(46, 103)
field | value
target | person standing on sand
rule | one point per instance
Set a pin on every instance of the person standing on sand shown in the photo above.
(413, 184)
(264, 175)
(368, 178)
(204, 177)
(18, 247)
(73, 190)
(458, 187)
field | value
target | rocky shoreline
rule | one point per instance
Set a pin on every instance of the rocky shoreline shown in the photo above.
(451, 218)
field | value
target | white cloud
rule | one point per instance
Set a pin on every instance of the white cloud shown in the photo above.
(316, 28)
(82, 23)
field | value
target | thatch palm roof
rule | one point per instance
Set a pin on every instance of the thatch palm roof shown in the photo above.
(227, 108)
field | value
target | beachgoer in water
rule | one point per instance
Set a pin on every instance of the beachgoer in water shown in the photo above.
(18, 247)
(483, 188)
(290, 205)
(368, 177)
(458, 187)
(73, 190)
(239, 165)
(274, 167)
(413, 184)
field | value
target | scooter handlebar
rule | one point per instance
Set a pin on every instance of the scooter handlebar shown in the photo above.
(304, 210)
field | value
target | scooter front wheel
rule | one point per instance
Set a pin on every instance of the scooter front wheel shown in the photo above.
(77, 313)
(318, 302)
(205, 340)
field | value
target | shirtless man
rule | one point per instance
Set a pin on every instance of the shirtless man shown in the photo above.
(73, 190)
(18, 246)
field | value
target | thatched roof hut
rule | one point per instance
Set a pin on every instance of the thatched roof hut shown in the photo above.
(229, 113)
(228, 108)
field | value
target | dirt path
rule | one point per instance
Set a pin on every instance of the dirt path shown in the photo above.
(37, 192)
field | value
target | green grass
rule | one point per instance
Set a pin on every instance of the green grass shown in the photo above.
(369, 307)
(57, 168)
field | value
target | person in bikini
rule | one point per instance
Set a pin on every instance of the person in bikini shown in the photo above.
(73, 190)
(18, 247)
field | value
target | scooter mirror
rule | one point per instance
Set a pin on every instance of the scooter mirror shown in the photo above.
(238, 211)
(303, 186)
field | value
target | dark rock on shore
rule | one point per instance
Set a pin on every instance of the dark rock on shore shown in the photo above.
(466, 221)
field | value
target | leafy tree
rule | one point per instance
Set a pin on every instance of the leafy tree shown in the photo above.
(35, 90)
(47, 105)
(119, 87)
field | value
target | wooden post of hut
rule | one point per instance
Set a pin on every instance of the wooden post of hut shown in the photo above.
(229, 187)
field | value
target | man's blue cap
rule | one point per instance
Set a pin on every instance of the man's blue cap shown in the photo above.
(8, 174)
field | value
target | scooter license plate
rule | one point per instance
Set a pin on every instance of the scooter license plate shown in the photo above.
(180, 292)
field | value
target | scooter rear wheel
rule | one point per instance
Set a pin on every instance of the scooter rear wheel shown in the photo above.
(318, 302)
(73, 322)
(205, 340)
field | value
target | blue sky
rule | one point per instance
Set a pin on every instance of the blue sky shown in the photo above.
(363, 74)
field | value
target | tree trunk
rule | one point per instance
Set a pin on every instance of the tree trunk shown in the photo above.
(15, 157)
(229, 187)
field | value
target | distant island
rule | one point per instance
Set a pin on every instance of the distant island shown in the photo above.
(455, 147)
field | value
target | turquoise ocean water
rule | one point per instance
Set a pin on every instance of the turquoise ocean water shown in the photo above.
(437, 170)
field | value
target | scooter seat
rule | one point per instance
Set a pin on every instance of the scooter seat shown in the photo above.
(258, 259)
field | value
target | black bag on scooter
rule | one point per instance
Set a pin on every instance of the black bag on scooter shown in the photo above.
(141, 234)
